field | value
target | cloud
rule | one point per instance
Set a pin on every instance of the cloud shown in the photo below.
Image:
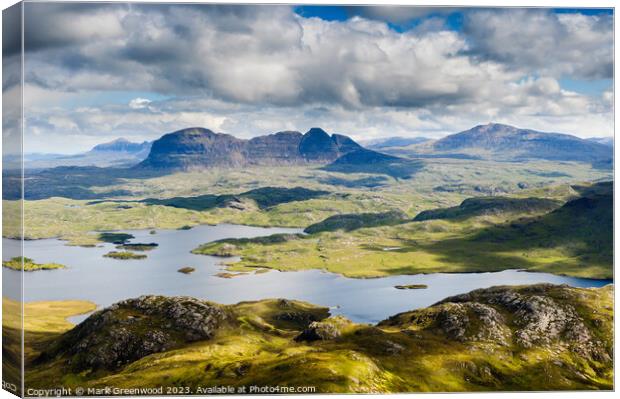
(139, 103)
(399, 14)
(248, 69)
(540, 41)
(49, 25)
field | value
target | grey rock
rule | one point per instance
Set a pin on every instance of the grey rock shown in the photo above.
(135, 328)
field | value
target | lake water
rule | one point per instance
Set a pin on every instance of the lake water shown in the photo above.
(90, 276)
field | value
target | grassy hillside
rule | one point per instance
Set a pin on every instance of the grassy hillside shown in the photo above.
(42, 323)
(492, 339)
(482, 206)
(575, 239)
(356, 221)
(441, 183)
(264, 197)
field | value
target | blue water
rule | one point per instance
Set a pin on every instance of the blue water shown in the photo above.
(90, 276)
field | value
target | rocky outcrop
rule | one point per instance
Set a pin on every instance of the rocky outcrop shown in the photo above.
(202, 148)
(278, 148)
(134, 328)
(324, 330)
(540, 315)
(195, 148)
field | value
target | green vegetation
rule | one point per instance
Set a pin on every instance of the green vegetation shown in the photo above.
(575, 239)
(411, 287)
(138, 246)
(124, 255)
(115, 238)
(42, 322)
(472, 342)
(441, 183)
(29, 265)
(354, 221)
(481, 206)
(186, 270)
(264, 197)
(229, 246)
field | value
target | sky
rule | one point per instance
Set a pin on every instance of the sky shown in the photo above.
(96, 72)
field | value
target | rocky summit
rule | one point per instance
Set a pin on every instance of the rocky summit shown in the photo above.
(535, 316)
(196, 148)
(134, 328)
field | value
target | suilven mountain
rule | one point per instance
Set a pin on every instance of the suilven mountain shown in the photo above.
(202, 148)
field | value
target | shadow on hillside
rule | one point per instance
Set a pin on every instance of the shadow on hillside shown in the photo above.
(396, 168)
(75, 182)
(582, 228)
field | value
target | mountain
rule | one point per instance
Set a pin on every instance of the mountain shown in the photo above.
(202, 148)
(395, 142)
(116, 153)
(500, 142)
(123, 145)
(608, 141)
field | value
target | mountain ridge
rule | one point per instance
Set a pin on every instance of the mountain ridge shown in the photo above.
(121, 144)
(500, 142)
(202, 148)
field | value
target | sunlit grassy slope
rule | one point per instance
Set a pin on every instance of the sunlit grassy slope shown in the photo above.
(470, 343)
(42, 321)
(575, 239)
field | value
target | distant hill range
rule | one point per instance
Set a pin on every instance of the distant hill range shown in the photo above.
(122, 145)
(379, 144)
(202, 148)
(500, 142)
(199, 148)
(116, 153)
(608, 141)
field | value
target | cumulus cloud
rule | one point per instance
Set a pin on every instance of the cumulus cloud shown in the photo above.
(538, 40)
(248, 69)
(139, 103)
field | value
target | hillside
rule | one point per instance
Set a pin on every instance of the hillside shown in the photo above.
(353, 221)
(530, 233)
(373, 162)
(263, 197)
(480, 206)
(490, 339)
(582, 228)
(500, 142)
(197, 148)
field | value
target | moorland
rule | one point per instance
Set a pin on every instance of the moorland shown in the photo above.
(488, 199)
